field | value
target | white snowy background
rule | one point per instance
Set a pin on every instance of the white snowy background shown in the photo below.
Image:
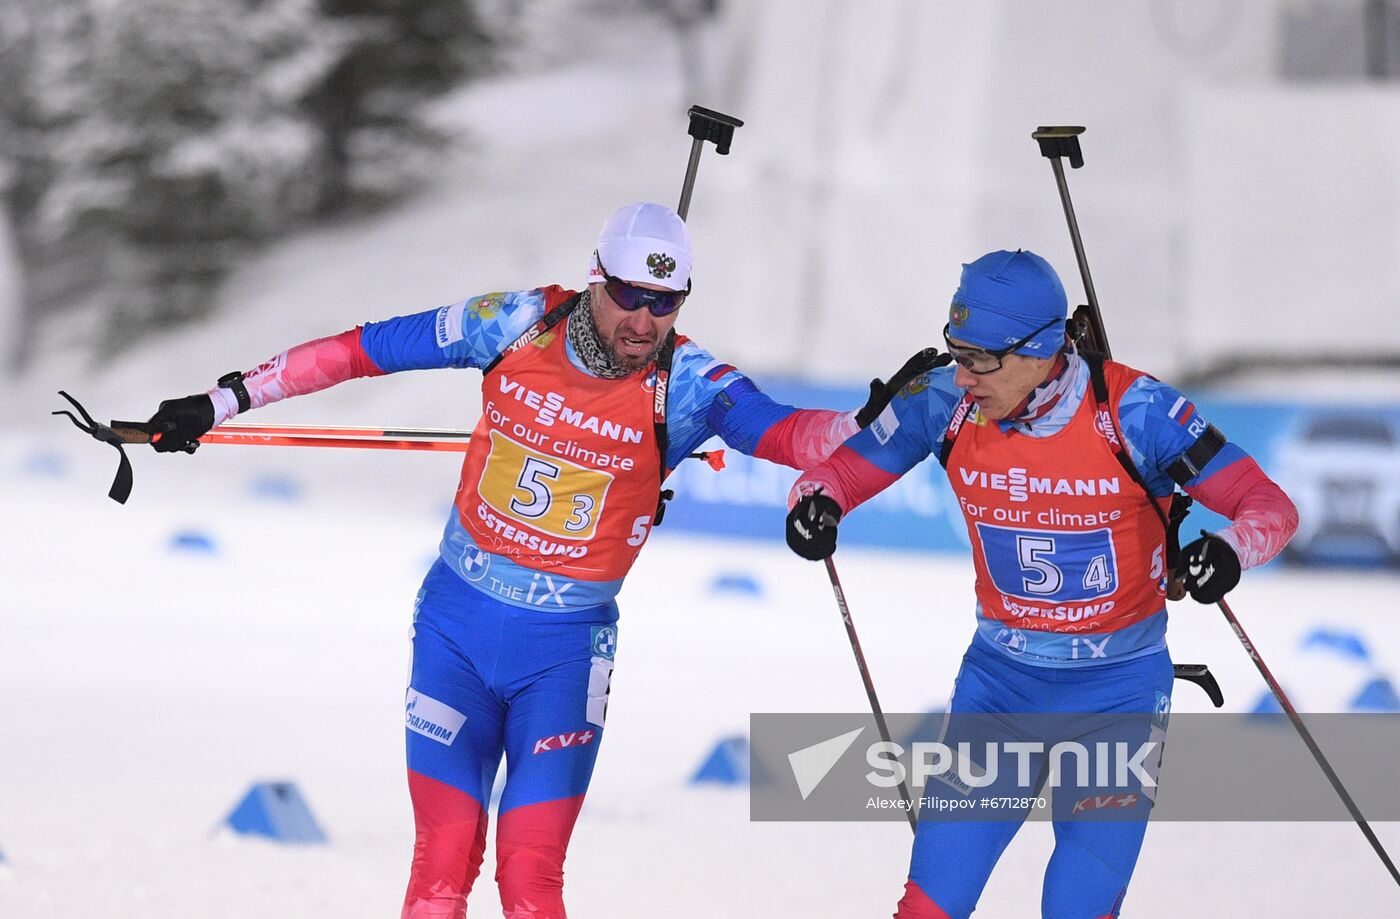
(143, 688)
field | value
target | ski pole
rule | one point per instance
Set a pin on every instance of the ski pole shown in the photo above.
(1308, 740)
(869, 683)
(705, 124)
(1056, 143)
(296, 435)
(1087, 329)
(121, 433)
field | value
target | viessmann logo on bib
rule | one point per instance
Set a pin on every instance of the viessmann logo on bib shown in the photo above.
(550, 407)
(1020, 485)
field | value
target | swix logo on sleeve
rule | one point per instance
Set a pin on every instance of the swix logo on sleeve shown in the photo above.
(563, 741)
(431, 718)
(1020, 485)
(534, 332)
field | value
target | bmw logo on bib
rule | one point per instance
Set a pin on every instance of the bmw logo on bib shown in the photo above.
(474, 563)
(1012, 640)
(604, 641)
(1162, 710)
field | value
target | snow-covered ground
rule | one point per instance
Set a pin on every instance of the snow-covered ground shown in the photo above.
(142, 688)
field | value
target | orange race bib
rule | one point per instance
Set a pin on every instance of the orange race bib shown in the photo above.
(563, 472)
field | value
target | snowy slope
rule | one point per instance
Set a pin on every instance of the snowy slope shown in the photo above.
(142, 689)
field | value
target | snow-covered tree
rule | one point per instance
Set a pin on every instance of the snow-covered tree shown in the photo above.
(145, 145)
(369, 107)
(44, 72)
(215, 155)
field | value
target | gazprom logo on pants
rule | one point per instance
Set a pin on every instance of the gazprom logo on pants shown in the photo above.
(431, 718)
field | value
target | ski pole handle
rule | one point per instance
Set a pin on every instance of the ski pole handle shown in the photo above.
(135, 432)
(1060, 141)
(705, 125)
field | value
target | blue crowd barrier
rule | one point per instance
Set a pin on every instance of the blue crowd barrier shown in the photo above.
(1335, 641)
(1378, 695)
(726, 764)
(737, 583)
(195, 542)
(276, 811)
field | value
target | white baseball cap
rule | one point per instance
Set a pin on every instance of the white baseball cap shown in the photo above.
(645, 244)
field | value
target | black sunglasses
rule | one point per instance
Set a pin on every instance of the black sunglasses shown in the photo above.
(987, 360)
(632, 298)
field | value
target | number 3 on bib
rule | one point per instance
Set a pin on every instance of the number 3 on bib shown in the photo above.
(546, 493)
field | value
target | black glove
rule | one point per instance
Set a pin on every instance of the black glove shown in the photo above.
(811, 526)
(179, 423)
(1208, 568)
(881, 392)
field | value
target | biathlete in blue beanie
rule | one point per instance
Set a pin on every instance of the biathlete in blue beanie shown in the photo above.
(1063, 465)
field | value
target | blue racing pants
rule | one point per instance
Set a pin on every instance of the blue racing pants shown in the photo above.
(490, 679)
(1088, 873)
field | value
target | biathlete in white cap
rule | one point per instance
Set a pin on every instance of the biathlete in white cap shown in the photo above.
(1063, 465)
(589, 399)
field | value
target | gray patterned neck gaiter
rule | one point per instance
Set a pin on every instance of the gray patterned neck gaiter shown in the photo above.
(583, 335)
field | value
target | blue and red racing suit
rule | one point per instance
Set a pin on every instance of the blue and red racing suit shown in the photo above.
(515, 628)
(1071, 581)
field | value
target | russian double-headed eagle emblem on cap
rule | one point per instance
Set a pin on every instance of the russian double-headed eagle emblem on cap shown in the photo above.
(660, 265)
(957, 314)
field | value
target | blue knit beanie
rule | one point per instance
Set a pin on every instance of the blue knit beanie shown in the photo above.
(1003, 297)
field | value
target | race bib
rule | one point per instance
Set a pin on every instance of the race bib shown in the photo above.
(544, 492)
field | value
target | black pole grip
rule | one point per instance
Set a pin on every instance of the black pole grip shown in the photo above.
(1061, 141)
(1200, 675)
(716, 127)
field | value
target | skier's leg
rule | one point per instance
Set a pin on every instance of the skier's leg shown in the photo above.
(1089, 870)
(950, 865)
(454, 728)
(1099, 831)
(448, 847)
(953, 856)
(552, 734)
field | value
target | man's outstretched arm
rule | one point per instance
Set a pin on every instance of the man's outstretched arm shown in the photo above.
(465, 334)
(750, 421)
(904, 433)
